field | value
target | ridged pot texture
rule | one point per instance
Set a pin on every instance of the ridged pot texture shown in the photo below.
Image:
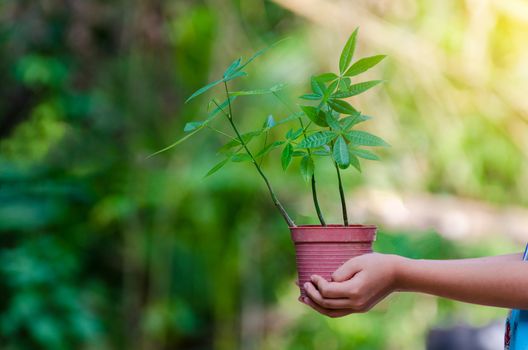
(320, 250)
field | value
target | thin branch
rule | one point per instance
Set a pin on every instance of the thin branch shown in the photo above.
(314, 188)
(274, 198)
(342, 195)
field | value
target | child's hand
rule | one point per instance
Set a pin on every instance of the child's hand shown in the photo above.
(356, 286)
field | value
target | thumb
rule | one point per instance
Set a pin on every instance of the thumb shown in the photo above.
(346, 271)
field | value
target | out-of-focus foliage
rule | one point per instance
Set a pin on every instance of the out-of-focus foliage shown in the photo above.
(101, 248)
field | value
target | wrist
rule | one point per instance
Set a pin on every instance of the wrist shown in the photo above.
(401, 272)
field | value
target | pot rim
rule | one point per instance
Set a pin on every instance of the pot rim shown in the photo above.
(333, 233)
(334, 226)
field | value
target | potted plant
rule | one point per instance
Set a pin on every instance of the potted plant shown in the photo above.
(324, 127)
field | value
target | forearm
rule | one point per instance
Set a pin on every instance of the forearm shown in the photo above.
(497, 281)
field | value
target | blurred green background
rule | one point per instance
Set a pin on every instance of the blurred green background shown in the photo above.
(101, 248)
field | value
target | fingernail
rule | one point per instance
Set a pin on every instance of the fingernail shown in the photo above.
(306, 285)
(312, 278)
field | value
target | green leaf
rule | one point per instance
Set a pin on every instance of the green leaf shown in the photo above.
(311, 97)
(299, 153)
(321, 152)
(217, 167)
(252, 58)
(365, 154)
(220, 107)
(240, 157)
(269, 148)
(269, 123)
(318, 139)
(363, 65)
(271, 90)
(354, 161)
(340, 153)
(318, 87)
(204, 89)
(326, 77)
(258, 53)
(294, 134)
(352, 120)
(344, 84)
(175, 143)
(315, 114)
(246, 137)
(341, 106)
(213, 84)
(332, 121)
(210, 117)
(232, 68)
(192, 126)
(356, 89)
(363, 138)
(286, 156)
(348, 52)
(235, 75)
(331, 88)
(291, 117)
(307, 168)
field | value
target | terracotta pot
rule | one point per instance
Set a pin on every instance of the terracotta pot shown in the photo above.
(320, 250)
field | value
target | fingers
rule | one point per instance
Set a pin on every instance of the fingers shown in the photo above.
(327, 312)
(346, 271)
(315, 296)
(329, 289)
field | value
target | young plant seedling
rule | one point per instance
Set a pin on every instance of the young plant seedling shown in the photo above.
(334, 118)
(327, 131)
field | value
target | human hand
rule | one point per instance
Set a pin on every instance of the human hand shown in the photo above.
(356, 286)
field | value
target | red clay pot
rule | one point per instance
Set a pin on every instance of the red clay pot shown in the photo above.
(320, 250)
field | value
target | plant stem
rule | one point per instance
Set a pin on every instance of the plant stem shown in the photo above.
(342, 195)
(316, 203)
(274, 198)
(341, 192)
(314, 189)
